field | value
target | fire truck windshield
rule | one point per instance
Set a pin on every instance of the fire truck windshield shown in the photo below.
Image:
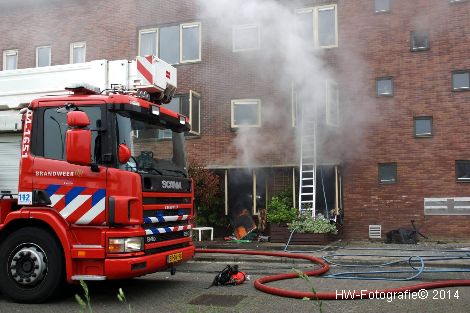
(155, 148)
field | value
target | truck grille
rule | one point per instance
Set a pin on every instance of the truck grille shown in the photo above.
(166, 218)
(167, 248)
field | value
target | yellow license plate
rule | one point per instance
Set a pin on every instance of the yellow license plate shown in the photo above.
(175, 257)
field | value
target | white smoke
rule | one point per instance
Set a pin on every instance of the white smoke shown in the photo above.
(286, 58)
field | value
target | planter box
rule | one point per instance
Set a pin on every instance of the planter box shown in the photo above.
(280, 234)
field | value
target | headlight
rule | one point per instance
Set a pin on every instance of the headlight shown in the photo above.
(123, 245)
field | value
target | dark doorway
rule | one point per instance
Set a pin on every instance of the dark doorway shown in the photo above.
(328, 191)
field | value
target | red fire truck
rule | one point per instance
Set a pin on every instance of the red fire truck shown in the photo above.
(103, 190)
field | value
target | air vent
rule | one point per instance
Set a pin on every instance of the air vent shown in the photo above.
(375, 231)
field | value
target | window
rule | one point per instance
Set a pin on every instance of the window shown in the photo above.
(245, 191)
(10, 59)
(332, 104)
(319, 24)
(423, 126)
(461, 80)
(168, 46)
(195, 112)
(384, 86)
(176, 43)
(387, 173)
(78, 52)
(148, 42)
(55, 127)
(382, 6)
(245, 38)
(246, 113)
(188, 105)
(190, 43)
(419, 41)
(43, 56)
(462, 170)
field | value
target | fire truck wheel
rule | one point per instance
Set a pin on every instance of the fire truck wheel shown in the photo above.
(31, 265)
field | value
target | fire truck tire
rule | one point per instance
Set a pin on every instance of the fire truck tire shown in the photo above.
(31, 265)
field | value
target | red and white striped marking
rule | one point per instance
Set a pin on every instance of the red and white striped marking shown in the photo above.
(170, 218)
(144, 68)
(162, 230)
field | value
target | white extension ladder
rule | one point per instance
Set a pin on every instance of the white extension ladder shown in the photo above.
(308, 161)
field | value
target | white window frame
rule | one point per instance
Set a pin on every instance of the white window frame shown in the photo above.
(243, 27)
(74, 45)
(9, 53)
(191, 93)
(294, 104)
(233, 103)
(329, 121)
(254, 191)
(156, 30)
(190, 25)
(314, 11)
(37, 55)
(145, 31)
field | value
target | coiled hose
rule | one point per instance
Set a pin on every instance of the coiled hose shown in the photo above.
(363, 294)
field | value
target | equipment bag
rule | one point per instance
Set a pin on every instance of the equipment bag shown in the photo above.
(229, 276)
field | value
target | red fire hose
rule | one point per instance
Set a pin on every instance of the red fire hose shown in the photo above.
(363, 294)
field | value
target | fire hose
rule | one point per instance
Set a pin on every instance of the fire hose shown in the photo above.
(260, 283)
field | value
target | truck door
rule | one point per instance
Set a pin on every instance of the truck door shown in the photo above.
(76, 192)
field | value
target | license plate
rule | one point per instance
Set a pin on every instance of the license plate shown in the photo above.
(175, 257)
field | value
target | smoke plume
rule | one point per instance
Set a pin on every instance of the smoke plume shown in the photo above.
(288, 61)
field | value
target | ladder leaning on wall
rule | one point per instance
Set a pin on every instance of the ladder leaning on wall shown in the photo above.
(308, 161)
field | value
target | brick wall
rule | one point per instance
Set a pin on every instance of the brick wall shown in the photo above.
(422, 82)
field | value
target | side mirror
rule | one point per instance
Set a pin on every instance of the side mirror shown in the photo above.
(77, 119)
(78, 140)
(124, 153)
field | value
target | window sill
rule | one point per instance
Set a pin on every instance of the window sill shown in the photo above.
(461, 89)
(246, 50)
(419, 49)
(457, 2)
(192, 136)
(383, 12)
(187, 63)
(382, 183)
(423, 136)
(236, 128)
(328, 47)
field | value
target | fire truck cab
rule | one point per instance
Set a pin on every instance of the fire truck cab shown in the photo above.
(103, 190)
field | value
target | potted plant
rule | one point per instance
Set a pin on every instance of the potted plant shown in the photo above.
(306, 224)
(309, 230)
(280, 212)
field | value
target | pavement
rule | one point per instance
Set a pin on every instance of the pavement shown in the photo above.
(435, 254)
(187, 290)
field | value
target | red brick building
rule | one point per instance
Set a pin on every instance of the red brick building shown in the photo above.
(394, 132)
